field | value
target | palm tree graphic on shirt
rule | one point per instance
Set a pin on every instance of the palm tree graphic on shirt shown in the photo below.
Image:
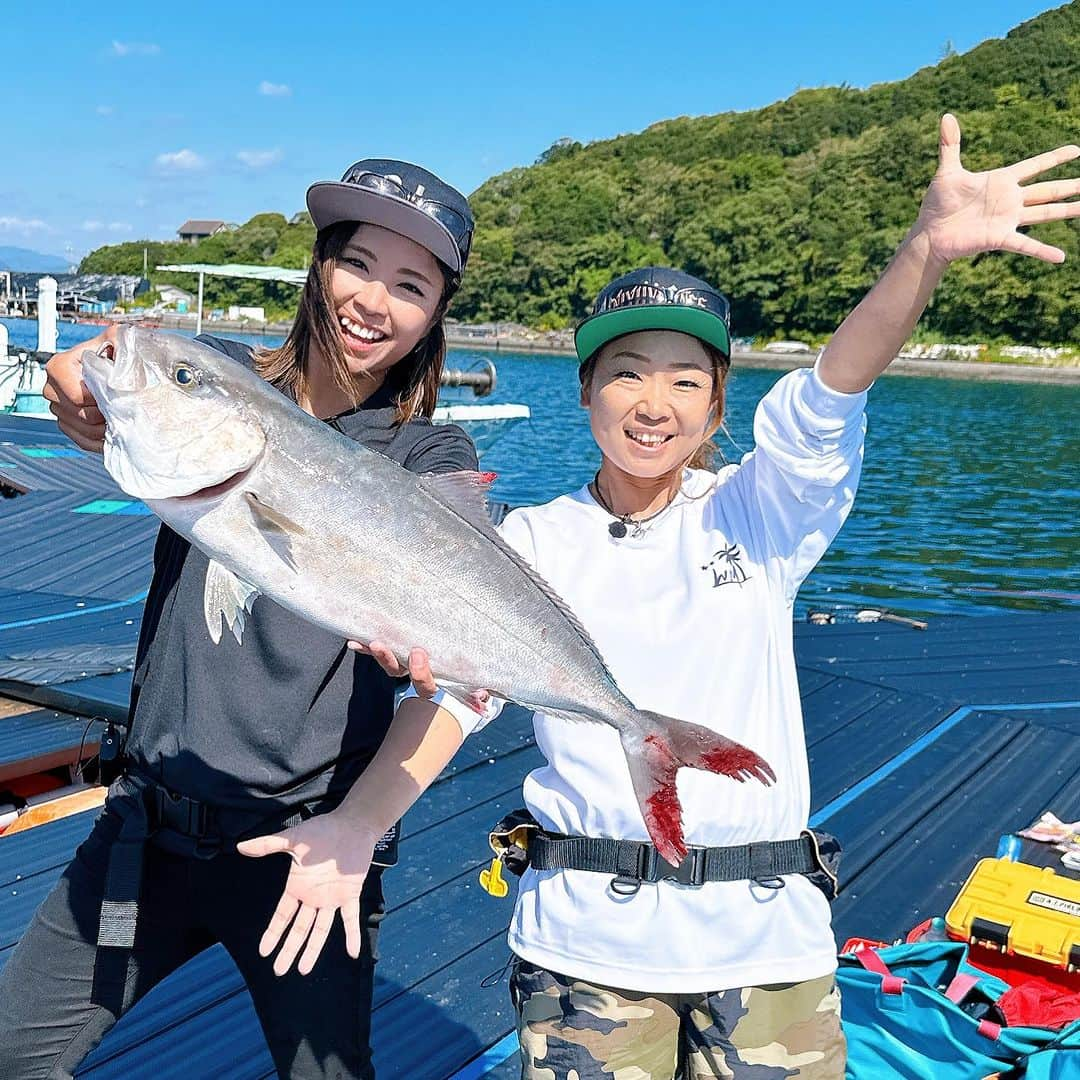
(726, 568)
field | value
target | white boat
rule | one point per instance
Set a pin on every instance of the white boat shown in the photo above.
(22, 380)
(485, 424)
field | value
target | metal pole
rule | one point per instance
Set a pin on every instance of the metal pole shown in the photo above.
(198, 317)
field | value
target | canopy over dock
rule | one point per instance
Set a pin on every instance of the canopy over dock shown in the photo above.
(235, 270)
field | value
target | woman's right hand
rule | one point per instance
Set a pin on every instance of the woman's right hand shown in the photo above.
(76, 412)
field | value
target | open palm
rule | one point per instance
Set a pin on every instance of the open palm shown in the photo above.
(330, 860)
(964, 213)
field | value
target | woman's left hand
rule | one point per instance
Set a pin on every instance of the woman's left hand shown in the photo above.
(331, 858)
(419, 671)
(965, 213)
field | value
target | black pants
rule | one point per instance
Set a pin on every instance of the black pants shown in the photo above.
(316, 1025)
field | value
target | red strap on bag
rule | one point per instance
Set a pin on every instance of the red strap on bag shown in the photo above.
(890, 983)
(960, 987)
(989, 1029)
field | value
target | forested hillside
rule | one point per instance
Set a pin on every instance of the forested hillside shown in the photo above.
(793, 209)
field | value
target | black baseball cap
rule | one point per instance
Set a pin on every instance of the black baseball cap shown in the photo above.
(403, 198)
(656, 298)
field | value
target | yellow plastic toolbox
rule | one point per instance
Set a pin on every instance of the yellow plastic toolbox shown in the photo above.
(1019, 909)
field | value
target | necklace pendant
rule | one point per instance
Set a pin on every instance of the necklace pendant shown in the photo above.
(617, 529)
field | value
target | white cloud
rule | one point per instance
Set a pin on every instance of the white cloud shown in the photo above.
(259, 159)
(270, 89)
(17, 224)
(135, 48)
(104, 110)
(179, 161)
(100, 226)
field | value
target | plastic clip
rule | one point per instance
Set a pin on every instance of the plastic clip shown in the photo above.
(492, 881)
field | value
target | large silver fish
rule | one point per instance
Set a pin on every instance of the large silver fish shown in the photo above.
(290, 509)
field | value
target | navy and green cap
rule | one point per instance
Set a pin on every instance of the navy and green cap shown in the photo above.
(656, 298)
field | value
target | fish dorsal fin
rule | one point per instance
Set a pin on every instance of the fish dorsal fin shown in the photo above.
(276, 528)
(466, 494)
(229, 597)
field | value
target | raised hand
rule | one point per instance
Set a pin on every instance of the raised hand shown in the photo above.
(331, 859)
(965, 213)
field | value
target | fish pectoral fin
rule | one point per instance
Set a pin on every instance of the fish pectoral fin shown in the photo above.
(464, 492)
(276, 528)
(226, 596)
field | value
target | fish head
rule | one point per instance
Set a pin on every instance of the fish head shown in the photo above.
(181, 418)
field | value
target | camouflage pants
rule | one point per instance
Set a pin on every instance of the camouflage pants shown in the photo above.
(573, 1030)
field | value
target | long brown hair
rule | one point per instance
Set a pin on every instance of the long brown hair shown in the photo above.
(414, 380)
(704, 456)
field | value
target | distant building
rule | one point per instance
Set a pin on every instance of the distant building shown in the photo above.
(83, 293)
(191, 232)
(173, 294)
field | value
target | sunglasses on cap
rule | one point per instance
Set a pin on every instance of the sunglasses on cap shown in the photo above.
(458, 227)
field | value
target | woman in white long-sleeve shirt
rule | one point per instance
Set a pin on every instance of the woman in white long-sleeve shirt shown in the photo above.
(685, 579)
(691, 610)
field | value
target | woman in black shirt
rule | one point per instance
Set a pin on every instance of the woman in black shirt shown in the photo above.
(256, 744)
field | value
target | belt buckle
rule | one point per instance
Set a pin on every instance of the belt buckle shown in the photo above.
(691, 871)
(177, 812)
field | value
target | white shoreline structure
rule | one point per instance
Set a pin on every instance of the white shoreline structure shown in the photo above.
(1049, 354)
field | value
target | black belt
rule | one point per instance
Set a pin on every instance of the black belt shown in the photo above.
(631, 862)
(148, 811)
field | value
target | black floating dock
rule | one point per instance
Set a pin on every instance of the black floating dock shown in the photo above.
(924, 748)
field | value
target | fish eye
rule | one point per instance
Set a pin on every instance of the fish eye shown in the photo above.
(185, 376)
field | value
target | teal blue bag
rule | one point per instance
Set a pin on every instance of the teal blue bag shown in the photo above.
(915, 1012)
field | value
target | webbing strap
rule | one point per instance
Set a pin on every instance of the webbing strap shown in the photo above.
(890, 983)
(123, 878)
(632, 859)
(960, 987)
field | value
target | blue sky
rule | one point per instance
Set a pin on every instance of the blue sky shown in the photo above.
(122, 120)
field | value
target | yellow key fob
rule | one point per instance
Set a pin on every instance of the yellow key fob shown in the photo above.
(492, 880)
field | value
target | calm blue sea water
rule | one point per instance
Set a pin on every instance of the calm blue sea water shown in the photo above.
(966, 486)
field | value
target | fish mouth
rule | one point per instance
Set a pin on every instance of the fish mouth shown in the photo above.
(223, 487)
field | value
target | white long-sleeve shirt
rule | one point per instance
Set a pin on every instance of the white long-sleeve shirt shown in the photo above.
(694, 619)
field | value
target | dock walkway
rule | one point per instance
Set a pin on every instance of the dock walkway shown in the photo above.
(924, 748)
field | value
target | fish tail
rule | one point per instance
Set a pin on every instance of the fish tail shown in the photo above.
(656, 747)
